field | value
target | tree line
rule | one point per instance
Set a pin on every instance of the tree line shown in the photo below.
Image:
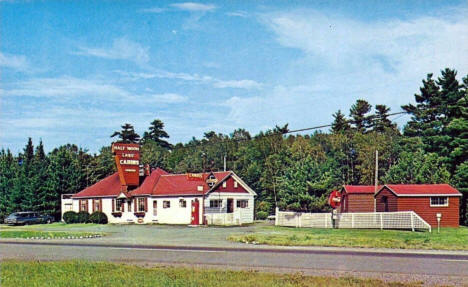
(294, 172)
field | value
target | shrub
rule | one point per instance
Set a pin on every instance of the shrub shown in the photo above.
(83, 217)
(98, 217)
(262, 215)
(264, 206)
(70, 217)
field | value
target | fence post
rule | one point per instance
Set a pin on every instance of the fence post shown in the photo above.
(276, 216)
(352, 220)
(412, 221)
(325, 219)
(381, 221)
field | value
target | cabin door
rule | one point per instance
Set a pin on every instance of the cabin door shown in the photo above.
(230, 205)
(385, 202)
(195, 212)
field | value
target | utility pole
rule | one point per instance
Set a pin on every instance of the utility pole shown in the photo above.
(376, 180)
(224, 162)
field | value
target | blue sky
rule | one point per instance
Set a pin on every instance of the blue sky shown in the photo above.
(74, 71)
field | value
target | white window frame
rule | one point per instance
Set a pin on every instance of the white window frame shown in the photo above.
(119, 207)
(141, 203)
(219, 203)
(240, 203)
(166, 204)
(224, 184)
(446, 204)
(184, 203)
(235, 184)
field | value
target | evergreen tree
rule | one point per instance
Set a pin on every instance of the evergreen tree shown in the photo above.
(127, 134)
(340, 123)
(157, 134)
(358, 113)
(381, 121)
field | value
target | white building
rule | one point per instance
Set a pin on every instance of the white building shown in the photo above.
(220, 198)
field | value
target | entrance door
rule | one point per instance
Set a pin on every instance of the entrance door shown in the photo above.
(195, 213)
(155, 208)
(385, 202)
(230, 205)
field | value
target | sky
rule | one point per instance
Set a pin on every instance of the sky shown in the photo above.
(75, 71)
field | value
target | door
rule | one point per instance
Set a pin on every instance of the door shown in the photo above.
(230, 205)
(385, 202)
(155, 208)
(195, 212)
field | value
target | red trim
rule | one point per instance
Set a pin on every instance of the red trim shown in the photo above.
(113, 205)
(100, 204)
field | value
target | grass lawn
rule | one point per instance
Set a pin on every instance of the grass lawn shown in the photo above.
(82, 273)
(29, 231)
(447, 239)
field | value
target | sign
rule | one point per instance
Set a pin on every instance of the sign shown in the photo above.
(194, 176)
(127, 159)
(211, 180)
(334, 199)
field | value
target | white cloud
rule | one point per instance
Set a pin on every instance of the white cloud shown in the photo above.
(241, 14)
(121, 48)
(15, 62)
(241, 84)
(194, 7)
(154, 10)
(167, 98)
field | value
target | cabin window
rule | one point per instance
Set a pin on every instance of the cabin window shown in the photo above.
(83, 205)
(182, 203)
(216, 203)
(242, 203)
(119, 204)
(235, 184)
(439, 201)
(224, 184)
(166, 204)
(96, 205)
(68, 207)
(141, 204)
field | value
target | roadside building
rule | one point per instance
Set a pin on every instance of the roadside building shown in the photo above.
(357, 198)
(220, 198)
(427, 200)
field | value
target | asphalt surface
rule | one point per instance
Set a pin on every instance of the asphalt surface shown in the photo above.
(451, 269)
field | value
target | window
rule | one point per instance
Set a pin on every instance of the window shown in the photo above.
(119, 204)
(242, 203)
(166, 204)
(141, 204)
(96, 205)
(182, 203)
(224, 184)
(200, 188)
(439, 201)
(235, 184)
(83, 205)
(216, 203)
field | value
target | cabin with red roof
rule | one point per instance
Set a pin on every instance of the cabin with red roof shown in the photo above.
(427, 200)
(220, 198)
(357, 198)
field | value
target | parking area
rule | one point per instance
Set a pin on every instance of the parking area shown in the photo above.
(174, 235)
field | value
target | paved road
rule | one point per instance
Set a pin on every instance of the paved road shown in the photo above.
(430, 268)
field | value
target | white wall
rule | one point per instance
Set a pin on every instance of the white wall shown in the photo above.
(240, 215)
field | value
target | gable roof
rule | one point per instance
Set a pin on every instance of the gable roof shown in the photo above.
(109, 186)
(159, 183)
(360, 189)
(421, 190)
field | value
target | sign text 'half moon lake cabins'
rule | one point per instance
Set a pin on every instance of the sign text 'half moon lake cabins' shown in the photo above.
(127, 159)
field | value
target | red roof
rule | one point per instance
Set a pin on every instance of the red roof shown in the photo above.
(159, 182)
(179, 184)
(361, 188)
(109, 186)
(423, 189)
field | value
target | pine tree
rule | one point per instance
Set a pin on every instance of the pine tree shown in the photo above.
(157, 134)
(381, 121)
(340, 123)
(127, 134)
(358, 113)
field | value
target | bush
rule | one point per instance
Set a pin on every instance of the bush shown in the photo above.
(70, 217)
(262, 215)
(98, 217)
(83, 217)
(264, 206)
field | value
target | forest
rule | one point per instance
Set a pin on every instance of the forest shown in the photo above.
(288, 170)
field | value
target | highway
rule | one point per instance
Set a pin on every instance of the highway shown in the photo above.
(430, 268)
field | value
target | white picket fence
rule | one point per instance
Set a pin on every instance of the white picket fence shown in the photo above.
(369, 220)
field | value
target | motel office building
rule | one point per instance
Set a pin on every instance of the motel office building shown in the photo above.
(219, 198)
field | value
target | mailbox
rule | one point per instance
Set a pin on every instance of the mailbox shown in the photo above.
(439, 216)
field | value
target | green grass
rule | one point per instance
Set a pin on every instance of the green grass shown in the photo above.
(44, 234)
(60, 225)
(447, 239)
(82, 273)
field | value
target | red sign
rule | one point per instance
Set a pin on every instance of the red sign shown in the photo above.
(334, 199)
(127, 159)
(195, 176)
